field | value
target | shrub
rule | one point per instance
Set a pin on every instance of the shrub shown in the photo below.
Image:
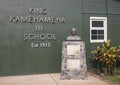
(106, 55)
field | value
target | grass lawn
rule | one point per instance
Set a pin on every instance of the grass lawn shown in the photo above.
(114, 79)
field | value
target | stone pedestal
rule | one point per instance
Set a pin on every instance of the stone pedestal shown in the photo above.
(73, 60)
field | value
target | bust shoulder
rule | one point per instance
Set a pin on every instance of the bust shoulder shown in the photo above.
(73, 37)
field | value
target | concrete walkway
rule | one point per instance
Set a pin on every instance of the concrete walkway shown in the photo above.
(48, 79)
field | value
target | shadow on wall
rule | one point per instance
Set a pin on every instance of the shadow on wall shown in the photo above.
(117, 0)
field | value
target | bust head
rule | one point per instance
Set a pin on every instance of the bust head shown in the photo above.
(73, 32)
(73, 35)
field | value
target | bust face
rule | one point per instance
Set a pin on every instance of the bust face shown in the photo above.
(73, 33)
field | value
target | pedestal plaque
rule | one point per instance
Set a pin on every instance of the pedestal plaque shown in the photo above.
(73, 58)
(73, 49)
(73, 64)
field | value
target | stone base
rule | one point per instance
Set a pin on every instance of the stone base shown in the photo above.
(73, 61)
(73, 74)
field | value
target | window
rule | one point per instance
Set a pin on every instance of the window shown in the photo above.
(98, 29)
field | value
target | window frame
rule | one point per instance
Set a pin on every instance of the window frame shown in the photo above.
(104, 19)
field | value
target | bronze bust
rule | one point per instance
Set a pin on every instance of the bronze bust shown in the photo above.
(73, 35)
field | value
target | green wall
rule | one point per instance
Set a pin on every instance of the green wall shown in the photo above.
(94, 6)
(101, 8)
(16, 55)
